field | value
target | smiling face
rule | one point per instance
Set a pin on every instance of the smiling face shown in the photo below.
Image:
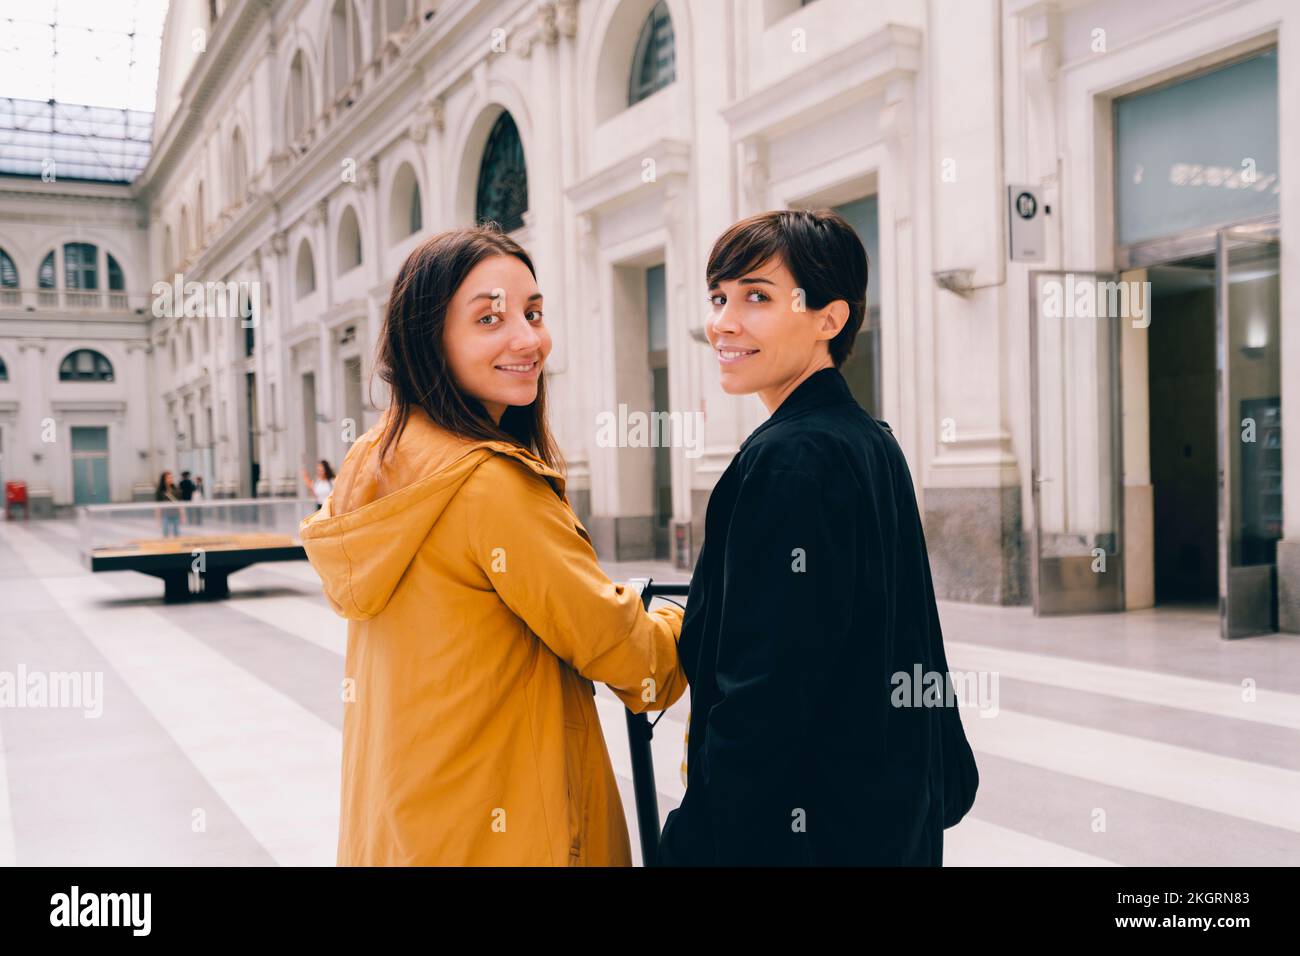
(763, 345)
(494, 340)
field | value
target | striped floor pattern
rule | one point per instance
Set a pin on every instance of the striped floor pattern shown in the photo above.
(1136, 739)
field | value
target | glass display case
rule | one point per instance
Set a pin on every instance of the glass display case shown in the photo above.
(193, 546)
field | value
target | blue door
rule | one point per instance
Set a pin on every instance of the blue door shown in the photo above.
(90, 465)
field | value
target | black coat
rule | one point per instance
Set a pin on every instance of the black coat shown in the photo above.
(811, 593)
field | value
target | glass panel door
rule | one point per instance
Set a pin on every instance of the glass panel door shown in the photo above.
(1248, 366)
(90, 465)
(1077, 561)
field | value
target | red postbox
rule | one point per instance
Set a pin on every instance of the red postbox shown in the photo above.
(15, 497)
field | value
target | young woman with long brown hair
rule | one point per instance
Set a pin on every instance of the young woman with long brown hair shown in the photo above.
(478, 614)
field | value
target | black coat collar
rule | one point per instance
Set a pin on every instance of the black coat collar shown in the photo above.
(821, 388)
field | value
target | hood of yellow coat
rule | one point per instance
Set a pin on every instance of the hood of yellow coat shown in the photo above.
(369, 530)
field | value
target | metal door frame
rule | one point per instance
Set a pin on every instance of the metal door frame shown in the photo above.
(1266, 231)
(1116, 437)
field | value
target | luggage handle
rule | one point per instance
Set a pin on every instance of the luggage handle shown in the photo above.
(639, 734)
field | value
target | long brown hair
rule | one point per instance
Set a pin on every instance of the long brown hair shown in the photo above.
(411, 359)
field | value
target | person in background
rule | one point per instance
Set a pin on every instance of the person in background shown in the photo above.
(187, 494)
(323, 484)
(196, 516)
(171, 517)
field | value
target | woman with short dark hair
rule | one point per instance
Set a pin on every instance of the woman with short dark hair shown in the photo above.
(812, 591)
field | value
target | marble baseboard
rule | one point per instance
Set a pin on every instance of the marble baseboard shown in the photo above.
(622, 537)
(40, 506)
(978, 548)
(580, 501)
(1288, 585)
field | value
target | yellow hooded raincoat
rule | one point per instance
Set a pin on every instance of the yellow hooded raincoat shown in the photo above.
(478, 619)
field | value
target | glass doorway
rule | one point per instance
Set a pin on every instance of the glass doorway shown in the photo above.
(1210, 398)
(90, 465)
(1181, 435)
(1248, 328)
(1077, 563)
(656, 286)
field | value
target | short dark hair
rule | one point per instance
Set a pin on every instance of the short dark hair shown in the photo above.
(820, 249)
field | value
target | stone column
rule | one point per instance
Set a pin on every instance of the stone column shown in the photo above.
(140, 420)
(972, 490)
(33, 462)
(377, 297)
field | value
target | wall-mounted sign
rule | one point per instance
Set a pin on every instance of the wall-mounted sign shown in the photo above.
(1027, 232)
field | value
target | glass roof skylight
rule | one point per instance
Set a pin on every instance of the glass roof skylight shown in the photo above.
(78, 82)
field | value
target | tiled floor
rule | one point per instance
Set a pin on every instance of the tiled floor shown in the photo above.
(1135, 739)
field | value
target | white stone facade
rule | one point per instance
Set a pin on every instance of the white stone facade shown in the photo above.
(286, 134)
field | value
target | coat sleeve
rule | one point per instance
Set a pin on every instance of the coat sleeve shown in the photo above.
(523, 537)
(789, 558)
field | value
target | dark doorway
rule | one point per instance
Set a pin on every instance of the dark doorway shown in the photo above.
(254, 431)
(656, 286)
(1183, 429)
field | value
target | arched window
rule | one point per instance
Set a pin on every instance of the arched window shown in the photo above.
(9, 293)
(79, 266)
(405, 216)
(169, 250)
(238, 167)
(250, 328)
(116, 284)
(116, 280)
(345, 45)
(502, 177)
(394, 17)
(199, 221)
(306, 272)
(4, 371)
(8, 272)
(654, 64)
(185, 233)
(298, 108)
(349, 251)
(85, 365)
(46, 281)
